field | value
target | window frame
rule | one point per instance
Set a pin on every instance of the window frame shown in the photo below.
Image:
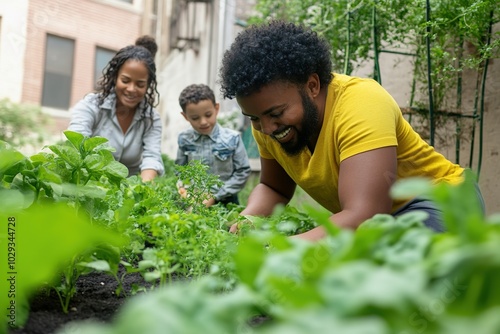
(53, 66)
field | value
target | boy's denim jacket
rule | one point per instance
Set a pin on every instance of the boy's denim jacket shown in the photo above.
(223, 151)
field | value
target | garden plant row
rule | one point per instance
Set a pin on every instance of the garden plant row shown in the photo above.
(71, 210)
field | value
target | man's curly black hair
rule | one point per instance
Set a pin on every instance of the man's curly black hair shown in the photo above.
(275, 51)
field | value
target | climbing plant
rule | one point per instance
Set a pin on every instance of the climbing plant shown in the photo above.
(444, 38)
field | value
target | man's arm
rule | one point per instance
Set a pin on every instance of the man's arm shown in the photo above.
(365, 180)
(275, 187)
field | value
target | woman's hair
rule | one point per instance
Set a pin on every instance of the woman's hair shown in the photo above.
(195, 93)
(149, 43)
(275, 51)
(107, 83)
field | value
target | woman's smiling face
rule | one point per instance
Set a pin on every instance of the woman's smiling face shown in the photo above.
(285, 112)
(131, 84)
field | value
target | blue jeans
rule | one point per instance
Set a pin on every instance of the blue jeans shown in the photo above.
(435, 219)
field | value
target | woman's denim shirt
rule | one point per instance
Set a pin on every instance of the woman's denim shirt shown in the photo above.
(138, 149)
(223, 151)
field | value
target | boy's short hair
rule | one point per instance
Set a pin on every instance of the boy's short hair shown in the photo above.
(194, 94)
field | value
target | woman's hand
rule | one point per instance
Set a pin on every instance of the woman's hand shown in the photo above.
(148, 174)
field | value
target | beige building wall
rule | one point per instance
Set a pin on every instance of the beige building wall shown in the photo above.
(215, 25)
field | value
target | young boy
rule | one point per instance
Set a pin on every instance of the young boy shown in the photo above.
(218, 147)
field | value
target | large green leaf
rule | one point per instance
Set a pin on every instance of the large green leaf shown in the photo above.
(412, 187)
(68, 153)
(13, 199)
(462, 211)
(46, 175)
(93, 142)
(88, 190)
(106, 156)
(94, 162)
(75, 138)
(116, 171)
(358, 285)
(9, 159)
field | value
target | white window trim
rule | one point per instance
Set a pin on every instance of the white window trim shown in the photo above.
(135, 7)
(62, 113)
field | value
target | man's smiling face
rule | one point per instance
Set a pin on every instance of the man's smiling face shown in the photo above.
(285, 112)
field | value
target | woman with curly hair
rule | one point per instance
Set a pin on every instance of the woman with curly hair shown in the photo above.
(342, 139)
(122, 110)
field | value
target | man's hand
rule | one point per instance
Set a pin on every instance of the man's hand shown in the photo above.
(241, 224)
(233, 228)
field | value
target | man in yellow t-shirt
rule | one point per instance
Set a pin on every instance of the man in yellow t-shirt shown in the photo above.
(342, 139)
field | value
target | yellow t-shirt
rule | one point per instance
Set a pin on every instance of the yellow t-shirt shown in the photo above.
(360, 115)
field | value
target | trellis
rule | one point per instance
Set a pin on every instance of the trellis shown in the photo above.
(477, 114)
(346, 24)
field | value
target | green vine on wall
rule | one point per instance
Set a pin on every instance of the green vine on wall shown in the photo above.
(458, 33)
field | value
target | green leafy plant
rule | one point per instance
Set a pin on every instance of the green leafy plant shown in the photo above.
(88, 158)
(71, 172)
(77, 173)
(164, 239)
(197, 182)
(391, 275)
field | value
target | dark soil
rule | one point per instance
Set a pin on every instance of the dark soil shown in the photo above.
(95, 298)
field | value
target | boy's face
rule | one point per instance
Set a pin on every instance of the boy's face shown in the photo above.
(202, 116)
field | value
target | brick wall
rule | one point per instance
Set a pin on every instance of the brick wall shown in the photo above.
(89, 23)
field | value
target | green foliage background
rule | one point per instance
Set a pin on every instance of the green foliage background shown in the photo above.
(459, 34)
(21, 124)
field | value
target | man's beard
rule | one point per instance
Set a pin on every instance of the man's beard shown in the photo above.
(309, 127)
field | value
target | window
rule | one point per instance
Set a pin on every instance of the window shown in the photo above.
(58, 72)
(102, 58)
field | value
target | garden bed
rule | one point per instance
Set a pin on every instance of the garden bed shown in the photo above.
(95, 299)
